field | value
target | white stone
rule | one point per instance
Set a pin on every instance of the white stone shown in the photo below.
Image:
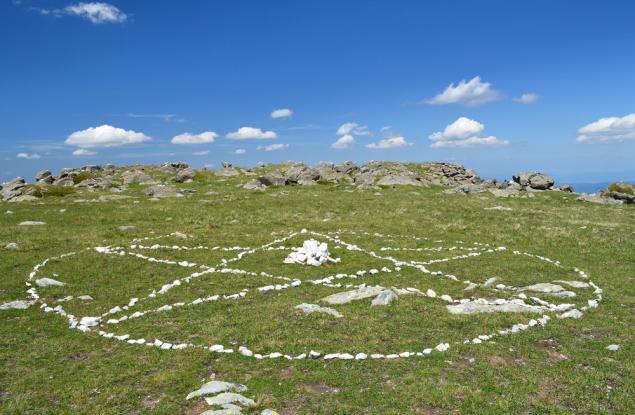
(314, 308)
(229, 397)
(31, 223)
(48, 282)
(16, 305)
(613, 347)
(214, 387)
(348, 296)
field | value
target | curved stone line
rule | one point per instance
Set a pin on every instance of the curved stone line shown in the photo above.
(86, 323)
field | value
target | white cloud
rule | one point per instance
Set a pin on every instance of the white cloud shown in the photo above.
(96, 12)
(345, 141)
(201, 153)
(82, 152)
(105, 136)
(240, 151)
(463, 133)
(387, 143)
(27, 156)
(202, 138)
(472, 93)
(282, 113)
(609, 130)
(353, 128)
(251, 133)
(273, 147)
(528, 98)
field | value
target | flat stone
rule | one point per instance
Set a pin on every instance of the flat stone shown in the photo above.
(31, 223)
(85, 298)
(613, 347)
(214, 387)
(353, 295)
(11, 245)
(48, 282)
(543, 287)
(384, 298)
(314, 308)
(502, 208)
(474, 307)
(575, 313)
(16, 305)
(229, 397)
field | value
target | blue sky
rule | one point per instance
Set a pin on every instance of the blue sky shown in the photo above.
(89, 83)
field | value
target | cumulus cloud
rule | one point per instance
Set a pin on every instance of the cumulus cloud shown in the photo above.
(202, 138)
(344, 142)
(273, 147)
(82, 152)
(282, 113)
(471, 93)
(29, 156)
(105, 136)
(251, 133)
(528, 98)
(201, 153)
(352, 128)
(387, 143)
(96, 12)
(240, 151)
(464, 132)
(609, 130)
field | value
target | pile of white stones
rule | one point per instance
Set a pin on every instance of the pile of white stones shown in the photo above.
(226, 396)
(525, 299)
(311, 252)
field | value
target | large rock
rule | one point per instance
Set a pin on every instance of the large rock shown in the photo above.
(12, 189)
(66, 181)
(227, 172)
(620, 191)
(173, 167)
(163, 191)
(397, 180)
(137, 177)
(254, 185)
(534, 180)
(301, 174)
(353, 295)
(185, 175)
(273, 179)
(594, 198)
(41, 175)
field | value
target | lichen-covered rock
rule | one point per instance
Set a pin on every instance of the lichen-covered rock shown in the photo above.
(396, 180)
(273, 179)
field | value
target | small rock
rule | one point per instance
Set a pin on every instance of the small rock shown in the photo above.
(48, 282)
(214, 387)
(31, 223)
(16, 305)
(314, 308)
(613, 347)
(11, 245)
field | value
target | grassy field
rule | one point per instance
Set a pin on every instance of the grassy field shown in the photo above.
(563, 368)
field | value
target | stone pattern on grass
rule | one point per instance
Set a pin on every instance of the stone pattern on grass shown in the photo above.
(105, 323)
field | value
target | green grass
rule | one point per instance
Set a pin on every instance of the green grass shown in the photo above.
(45, 368)
(621, 188)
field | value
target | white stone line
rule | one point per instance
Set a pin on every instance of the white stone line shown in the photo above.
(86, 323)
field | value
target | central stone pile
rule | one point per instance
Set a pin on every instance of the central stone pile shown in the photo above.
(311, 252)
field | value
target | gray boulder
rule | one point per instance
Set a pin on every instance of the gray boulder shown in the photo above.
(273, 179)
(137, 177)
(185, 175)
(620, 191)
(64, 181)
(227, 172)
(534, 180)
(594, 198)
(254, 185)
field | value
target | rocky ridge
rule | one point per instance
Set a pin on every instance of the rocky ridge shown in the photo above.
(161, 180)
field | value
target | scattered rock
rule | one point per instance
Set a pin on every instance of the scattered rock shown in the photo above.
(273, 179)
(503, 208)
(594, 198)
(314, 308)
(229, 397)
(227, 172)
(395, 180)
(162, 191)
(11, 245)
(613, 347)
